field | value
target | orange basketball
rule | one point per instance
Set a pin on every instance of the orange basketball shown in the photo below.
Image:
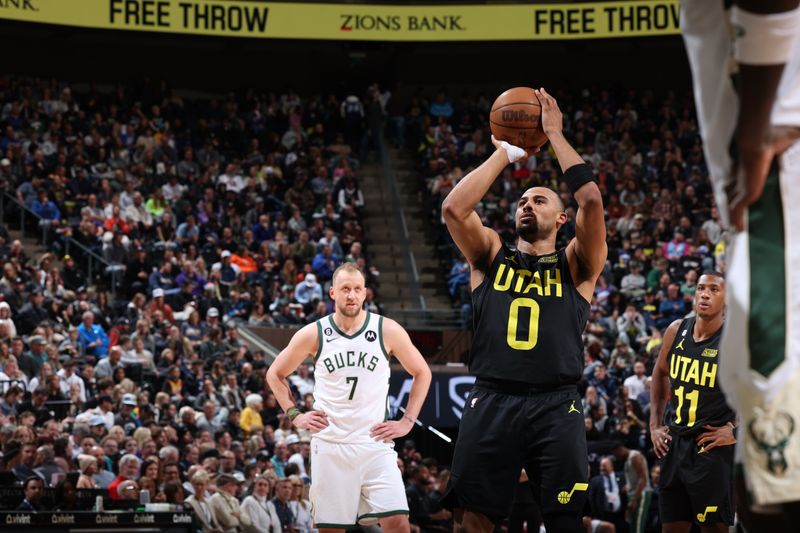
(516, 118)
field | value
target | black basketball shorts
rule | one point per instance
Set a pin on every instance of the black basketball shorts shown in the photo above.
(696, 486)
(502, 432)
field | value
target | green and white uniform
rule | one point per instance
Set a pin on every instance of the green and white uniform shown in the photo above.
(637, 520)
(760, 372)
(356, 479)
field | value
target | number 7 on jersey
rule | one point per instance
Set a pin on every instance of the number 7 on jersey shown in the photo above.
(354, 380)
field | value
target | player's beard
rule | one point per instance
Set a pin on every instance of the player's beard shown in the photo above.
(346, 311)
(528, 231)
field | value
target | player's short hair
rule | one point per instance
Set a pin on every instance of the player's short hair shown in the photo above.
(347, 267)
(554, 191)
(714, 273)
(561, 201)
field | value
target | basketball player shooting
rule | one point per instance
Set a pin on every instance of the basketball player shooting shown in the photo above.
(531, 303)
(356, 479)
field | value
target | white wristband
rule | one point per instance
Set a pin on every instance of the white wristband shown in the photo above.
(764, 39)
(514, 153)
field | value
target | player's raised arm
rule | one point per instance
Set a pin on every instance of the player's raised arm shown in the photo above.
(396, 342)
(303, 345)
(478, 243)
(589, 246)
(659, 386)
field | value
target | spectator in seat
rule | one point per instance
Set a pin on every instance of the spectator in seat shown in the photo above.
(325, 263)
(93, 338)
(308, 291)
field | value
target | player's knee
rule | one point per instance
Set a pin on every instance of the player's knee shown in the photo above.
(472, 522)
(563, 523)
(606, 527)
(395, 524)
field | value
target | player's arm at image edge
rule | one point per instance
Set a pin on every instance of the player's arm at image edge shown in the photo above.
(398, 343)
(303, 344)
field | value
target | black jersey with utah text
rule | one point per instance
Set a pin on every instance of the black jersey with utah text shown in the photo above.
(696, 398)
(529, 318)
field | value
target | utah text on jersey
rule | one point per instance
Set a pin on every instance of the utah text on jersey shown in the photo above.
(507, 277)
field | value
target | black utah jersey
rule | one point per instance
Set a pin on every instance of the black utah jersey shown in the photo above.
(696, 398)
(529, 320)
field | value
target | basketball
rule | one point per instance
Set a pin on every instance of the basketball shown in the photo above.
(516, 119)
(564, 497)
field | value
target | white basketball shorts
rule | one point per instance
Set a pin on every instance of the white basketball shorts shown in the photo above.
(355, 484)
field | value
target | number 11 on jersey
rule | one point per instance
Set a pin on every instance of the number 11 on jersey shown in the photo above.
(693, 398)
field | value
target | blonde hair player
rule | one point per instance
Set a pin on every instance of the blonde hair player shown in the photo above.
(356, 479)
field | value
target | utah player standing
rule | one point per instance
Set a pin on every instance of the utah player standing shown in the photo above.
(531, 304)
(695, 438)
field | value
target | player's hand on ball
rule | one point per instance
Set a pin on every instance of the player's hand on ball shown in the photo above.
(661, 438)
(388, 431)
(313, 421)
(514, 153)
(552, 119)
(715, 436)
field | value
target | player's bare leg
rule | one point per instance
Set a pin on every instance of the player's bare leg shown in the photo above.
(395, 524)
(602, 527)
(471, 522)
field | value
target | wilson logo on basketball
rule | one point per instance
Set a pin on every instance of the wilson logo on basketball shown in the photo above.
(511, 115)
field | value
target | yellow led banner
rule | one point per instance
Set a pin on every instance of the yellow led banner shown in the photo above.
(277, 20)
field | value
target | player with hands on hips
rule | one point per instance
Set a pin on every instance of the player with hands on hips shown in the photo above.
(356, 479)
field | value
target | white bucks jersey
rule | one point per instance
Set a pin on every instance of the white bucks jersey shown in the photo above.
(351, 375)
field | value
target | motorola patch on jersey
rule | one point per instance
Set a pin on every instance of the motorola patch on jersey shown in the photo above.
(370, 335)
